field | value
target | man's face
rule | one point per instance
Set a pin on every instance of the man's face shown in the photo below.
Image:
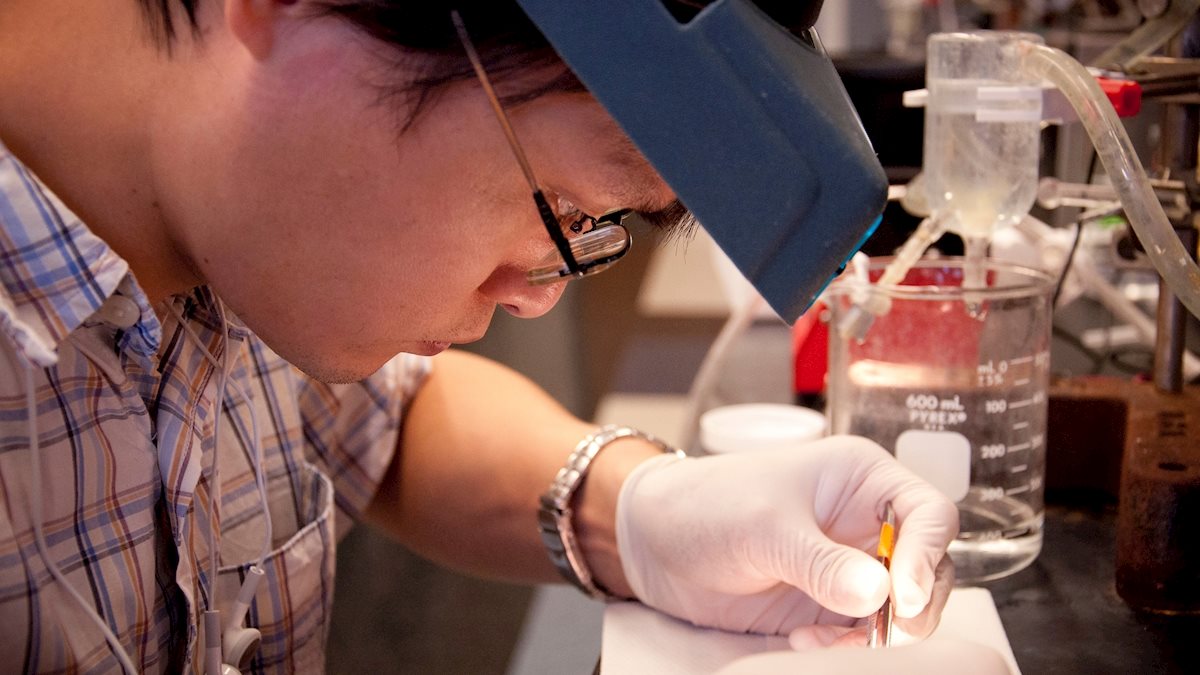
(341, 241)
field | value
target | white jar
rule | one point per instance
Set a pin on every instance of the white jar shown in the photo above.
(758, 426)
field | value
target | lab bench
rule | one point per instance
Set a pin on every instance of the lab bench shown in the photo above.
(1063, 615)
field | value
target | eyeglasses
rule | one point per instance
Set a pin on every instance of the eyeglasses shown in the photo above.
(595, 243)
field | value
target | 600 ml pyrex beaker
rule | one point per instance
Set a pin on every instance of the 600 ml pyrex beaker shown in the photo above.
(953, 382)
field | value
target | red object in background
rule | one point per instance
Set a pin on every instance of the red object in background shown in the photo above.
(923, 328)
(927, 328)
(810, 352)
(1125, 95)
(810, 335)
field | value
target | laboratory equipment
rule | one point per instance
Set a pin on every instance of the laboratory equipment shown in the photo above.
(1164, 19)
(738, 108)
(982, 126)
(984, 109)
(1169, 256)
(981, 84)
(959, 397)
(980, 165)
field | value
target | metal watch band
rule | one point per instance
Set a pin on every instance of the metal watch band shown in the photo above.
(556, 517)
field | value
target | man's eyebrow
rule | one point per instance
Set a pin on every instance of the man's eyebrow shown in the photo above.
(673, 220)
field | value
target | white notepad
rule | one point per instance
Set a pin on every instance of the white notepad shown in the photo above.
(638, 639)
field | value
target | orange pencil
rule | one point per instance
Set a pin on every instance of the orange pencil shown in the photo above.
(879, 628)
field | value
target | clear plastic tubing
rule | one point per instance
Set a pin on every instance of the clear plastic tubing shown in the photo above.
(1142, 207)
(858, 319)
(1053, 193)
(1150, 35)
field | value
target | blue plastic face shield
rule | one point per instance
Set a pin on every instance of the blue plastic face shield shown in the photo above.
(745, 119)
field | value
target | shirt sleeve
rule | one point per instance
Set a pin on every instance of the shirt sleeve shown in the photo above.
(351, 430)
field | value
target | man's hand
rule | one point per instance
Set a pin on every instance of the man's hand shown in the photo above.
(776, 542)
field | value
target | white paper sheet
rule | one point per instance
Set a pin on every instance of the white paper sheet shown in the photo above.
(639, 640)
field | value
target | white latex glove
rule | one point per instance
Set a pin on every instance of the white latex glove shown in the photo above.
(776, 542)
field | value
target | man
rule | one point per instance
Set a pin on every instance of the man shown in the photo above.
(212, 209)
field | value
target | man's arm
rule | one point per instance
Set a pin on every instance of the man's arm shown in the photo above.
(766, 542)
(480, 443)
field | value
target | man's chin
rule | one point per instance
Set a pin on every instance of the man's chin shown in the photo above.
(337, 375)
(349, 371)
(331, 372)
(427, 348)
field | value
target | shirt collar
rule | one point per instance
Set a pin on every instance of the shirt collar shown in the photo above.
(55, 273)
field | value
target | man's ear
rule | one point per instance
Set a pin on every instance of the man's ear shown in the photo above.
(256, 23)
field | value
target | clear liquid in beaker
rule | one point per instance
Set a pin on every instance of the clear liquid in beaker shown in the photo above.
(983, 448)
(959, 398)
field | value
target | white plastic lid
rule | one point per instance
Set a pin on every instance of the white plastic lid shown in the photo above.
(758, 426)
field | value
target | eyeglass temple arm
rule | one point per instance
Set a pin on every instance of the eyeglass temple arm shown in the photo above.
(543, 207)
(556, 233)
(469, 46)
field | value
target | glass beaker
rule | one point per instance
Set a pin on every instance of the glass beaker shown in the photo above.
(953, 382)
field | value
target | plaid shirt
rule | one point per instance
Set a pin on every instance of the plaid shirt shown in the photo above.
(124, 418)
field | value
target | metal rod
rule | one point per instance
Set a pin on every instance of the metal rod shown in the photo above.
(1181, 148)
(1171, 334)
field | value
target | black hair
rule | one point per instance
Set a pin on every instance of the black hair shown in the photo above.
(162, 21)
(509, 45)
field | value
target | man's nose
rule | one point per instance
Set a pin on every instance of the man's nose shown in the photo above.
(509, 288)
